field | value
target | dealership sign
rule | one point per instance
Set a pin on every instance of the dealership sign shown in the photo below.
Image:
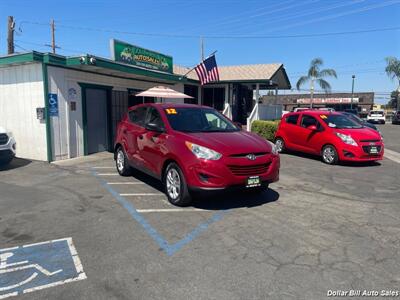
(134, 55)
(326, 100)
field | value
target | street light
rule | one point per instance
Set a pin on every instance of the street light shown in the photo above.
(352, 91)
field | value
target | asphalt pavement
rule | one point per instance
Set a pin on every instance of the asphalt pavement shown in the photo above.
(391, 135)
(320, 228)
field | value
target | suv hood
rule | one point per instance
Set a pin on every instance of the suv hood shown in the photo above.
(361, 134)
(228, 143)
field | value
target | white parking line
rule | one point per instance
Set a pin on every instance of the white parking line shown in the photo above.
(392, 155)
(168, 210)
(142, 194)
(104, 167)
(108, 174)
(125, 183)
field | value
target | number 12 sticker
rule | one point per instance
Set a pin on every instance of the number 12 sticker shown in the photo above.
(171, 111)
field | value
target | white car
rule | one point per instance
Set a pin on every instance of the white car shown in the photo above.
(376, 116)
(8, 147)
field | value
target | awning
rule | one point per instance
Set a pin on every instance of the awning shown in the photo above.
(162, 92)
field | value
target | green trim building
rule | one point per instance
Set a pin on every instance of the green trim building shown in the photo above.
(53, 103)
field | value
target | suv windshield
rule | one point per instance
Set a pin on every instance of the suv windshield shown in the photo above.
(340, 122)
(198, 120)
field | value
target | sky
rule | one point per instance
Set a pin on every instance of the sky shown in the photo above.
(292, 32)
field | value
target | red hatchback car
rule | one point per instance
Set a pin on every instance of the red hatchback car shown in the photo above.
(190, 147)
(332, 135)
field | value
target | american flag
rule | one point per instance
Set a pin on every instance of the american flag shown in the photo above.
(207, 71)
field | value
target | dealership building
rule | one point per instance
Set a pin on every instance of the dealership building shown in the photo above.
(363, 102)
(62, 107)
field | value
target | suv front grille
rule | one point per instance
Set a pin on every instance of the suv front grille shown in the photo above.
(3, 138)
(241, 155)
(249, 170)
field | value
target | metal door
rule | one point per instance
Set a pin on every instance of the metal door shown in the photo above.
(96, 117)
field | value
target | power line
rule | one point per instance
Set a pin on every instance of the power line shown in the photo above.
(222, 36)
(337, 15)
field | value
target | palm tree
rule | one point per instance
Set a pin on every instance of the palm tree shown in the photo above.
(315, 75)
(393, 71)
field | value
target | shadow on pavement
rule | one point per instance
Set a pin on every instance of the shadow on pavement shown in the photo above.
(362, 164)
(238, 199)
(15, 164)
(218, 200)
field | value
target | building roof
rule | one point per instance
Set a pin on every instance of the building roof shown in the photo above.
(256, 72)
(270, 74)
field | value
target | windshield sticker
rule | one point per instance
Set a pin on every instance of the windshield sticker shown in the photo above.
(323, 116)
(332, 125)
(171, 111)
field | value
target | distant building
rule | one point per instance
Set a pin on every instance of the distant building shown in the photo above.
(363, 102)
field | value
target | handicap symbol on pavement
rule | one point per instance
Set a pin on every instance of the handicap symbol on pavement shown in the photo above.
(37, 266)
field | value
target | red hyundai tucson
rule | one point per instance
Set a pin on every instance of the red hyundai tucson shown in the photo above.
(332, 135)
(190, 147)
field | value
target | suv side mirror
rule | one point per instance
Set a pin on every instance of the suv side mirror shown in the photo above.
(154, 127)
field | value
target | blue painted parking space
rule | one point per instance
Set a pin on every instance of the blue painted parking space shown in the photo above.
(27, 268)
(168, 247)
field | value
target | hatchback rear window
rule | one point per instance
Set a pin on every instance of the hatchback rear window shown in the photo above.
(374, 112)
(292, 119)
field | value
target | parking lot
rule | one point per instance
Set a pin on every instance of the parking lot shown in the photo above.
(319, 228)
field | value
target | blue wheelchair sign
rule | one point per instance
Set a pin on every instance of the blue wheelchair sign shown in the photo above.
(36, 266)
(53, 105)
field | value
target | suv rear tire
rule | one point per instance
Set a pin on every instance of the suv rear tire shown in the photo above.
(176, 188)
(121, 162)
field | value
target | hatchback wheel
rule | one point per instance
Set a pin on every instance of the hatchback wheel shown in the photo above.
(121, 162)
(175, 186)
(329, 155)
(280, 145)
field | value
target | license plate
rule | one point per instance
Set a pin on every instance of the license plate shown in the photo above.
(373, 150)
(253, 181)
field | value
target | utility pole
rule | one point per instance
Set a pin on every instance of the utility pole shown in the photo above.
(312, 93)
(352, 91)
(53, 39)
(10, 37)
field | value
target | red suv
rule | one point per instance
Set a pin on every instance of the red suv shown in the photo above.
(191, 147)
(332, 135)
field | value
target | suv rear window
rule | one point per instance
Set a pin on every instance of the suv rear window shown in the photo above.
(292, 119)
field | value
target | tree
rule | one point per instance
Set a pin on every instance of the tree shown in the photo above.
(393, 71)
(394, 98)
(315, 75)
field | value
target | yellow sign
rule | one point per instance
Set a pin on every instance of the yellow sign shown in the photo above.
(171, 111)
(323, 116)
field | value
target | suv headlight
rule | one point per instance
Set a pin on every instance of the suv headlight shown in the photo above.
(347, 139)
(273, 148)
(203, 152)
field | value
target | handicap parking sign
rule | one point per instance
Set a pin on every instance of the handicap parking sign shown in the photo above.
(37, 266)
